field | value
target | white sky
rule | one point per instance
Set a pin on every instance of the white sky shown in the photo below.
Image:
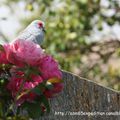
(11, 25)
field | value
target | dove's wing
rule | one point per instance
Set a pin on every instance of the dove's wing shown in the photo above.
(32, 33)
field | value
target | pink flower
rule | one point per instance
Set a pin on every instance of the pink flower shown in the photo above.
(3, 59)
(49, 68)
(15, 83)
(15, 71)
(21, 52)
(27, 97)
(57, 88)
(25, 56)
(31, 84)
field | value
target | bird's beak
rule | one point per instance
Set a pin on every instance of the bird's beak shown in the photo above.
(44, 30)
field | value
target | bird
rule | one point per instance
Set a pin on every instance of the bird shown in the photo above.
(33, 32)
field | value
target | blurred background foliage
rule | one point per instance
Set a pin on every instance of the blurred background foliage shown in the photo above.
(69, 24)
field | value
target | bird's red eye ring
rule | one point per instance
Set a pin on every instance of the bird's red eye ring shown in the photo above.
(40, 24)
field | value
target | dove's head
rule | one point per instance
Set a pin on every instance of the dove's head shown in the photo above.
(38, 24)
(35, 31)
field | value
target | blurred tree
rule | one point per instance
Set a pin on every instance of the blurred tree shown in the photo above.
(68, 22)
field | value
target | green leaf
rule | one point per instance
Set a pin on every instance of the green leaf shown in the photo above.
(45, 102)
(1, 48)
(39, 89)
(33, 109)
(1, 110)
(35, 71)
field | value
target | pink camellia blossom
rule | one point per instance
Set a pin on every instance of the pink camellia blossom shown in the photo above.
(21, 52)
(32, 64)
(58, 87)
(31, 84)
(49, 68)
(3, 59)
(27, 97)
(15, 83)
(15, 71)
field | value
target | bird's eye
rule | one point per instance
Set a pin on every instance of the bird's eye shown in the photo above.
(40, 24)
